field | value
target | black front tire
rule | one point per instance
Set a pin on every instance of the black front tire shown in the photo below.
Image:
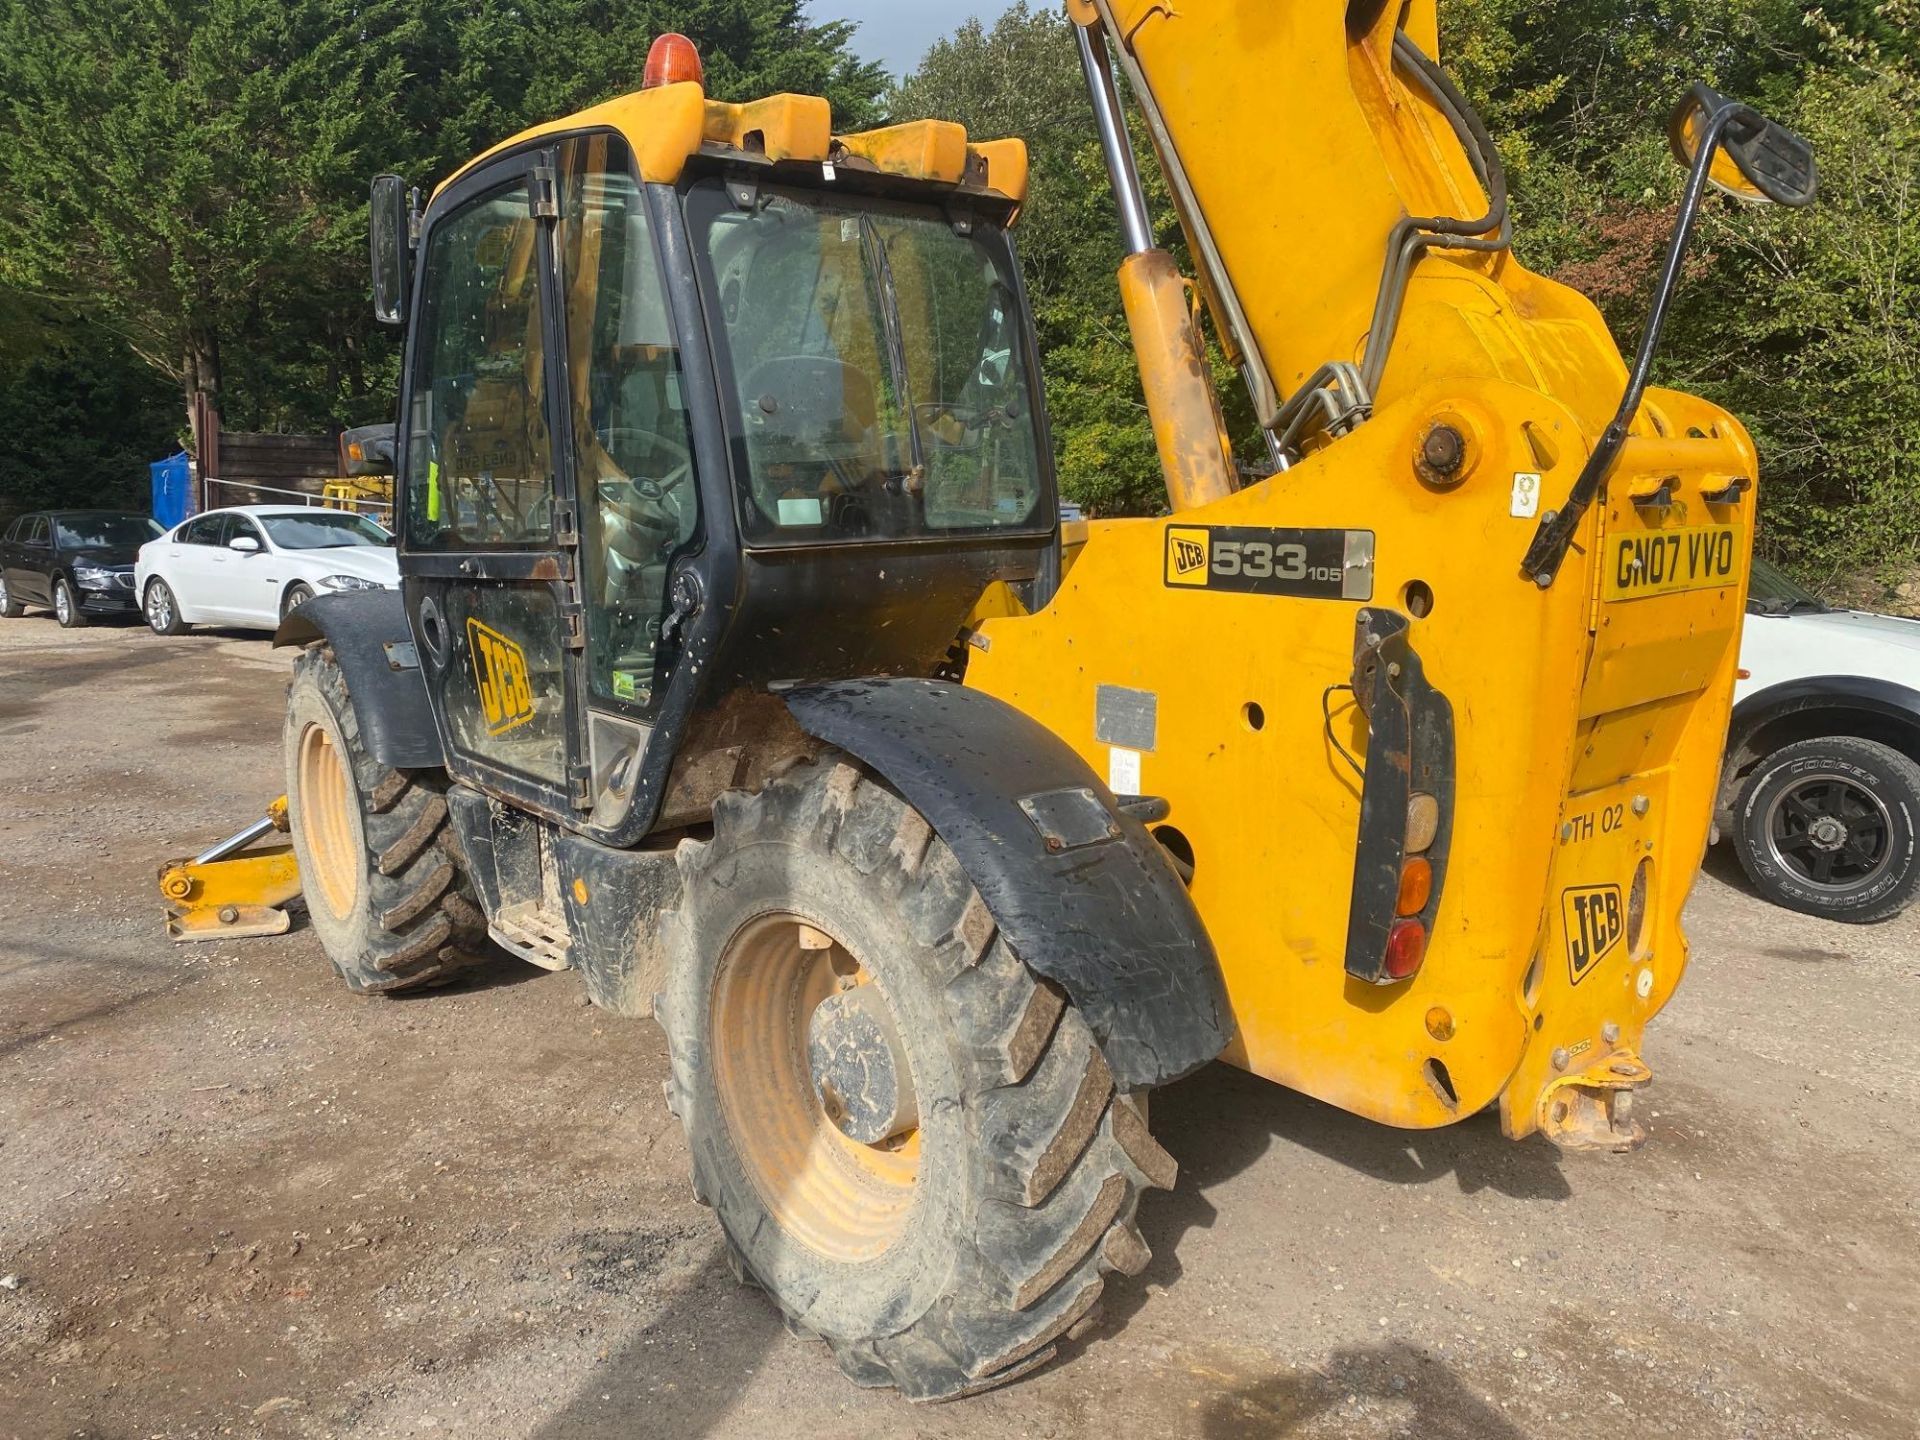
(10, 606)
(385, 883)
(66, 606)
(162, 609)
(1827, 827)
(1030, 1166)
(296, 596)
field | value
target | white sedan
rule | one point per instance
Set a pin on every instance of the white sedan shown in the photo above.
(251, 565)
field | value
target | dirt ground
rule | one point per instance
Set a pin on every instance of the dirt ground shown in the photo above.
(236, 1200)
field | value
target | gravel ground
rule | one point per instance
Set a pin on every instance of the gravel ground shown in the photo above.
(236, 1200)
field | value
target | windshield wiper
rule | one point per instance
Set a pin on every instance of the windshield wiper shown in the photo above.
(896, 340)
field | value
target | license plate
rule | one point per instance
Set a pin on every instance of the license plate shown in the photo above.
(1663, 562)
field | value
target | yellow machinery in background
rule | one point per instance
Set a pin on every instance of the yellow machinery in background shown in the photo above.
(358, 495)
(367, 487)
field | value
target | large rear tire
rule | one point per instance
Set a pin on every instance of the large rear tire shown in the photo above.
(951, 1255)
(385, 884)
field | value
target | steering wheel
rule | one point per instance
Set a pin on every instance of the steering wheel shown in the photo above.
(622, 441)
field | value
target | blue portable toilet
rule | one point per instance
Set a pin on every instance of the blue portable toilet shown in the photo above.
(172, 489)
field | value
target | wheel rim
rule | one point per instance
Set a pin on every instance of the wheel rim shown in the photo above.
(3, 594)
(62, 602)
(1829, 832)
(328, 811)
(296, 597)
(843, 1199)
(159, 606)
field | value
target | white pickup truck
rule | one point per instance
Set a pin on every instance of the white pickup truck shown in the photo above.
(1821, 794)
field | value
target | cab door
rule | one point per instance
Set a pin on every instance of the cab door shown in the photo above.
(488, 530)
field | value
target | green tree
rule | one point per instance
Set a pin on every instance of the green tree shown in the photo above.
(1815, 339)
(1802, 323)
(81, 415)
(191, 174)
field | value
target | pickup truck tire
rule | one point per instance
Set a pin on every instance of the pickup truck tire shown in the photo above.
(10, 606)
(66, 606)
(385, 883)
(162, 609)
(1828, 827)
(826, 943)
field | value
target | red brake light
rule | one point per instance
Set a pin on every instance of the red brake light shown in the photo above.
(672, 60)
(1406, 948)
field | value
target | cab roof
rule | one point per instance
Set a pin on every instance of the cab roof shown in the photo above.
(670, 125)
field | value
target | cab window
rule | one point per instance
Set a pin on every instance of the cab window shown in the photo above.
(878, 371)
(632, 441)
(479, 469)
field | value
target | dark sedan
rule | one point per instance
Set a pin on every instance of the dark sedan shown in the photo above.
(76, 563)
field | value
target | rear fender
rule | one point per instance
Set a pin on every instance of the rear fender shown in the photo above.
(368, 632)
(1080, 889)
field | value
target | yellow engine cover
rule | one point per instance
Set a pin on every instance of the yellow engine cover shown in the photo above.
(1589, 719)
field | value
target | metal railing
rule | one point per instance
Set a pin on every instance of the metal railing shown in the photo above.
(381, 510)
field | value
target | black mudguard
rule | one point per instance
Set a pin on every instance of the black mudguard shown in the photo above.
(1081, 891)
(368, 632)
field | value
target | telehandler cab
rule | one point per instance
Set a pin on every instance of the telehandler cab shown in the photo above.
(741, 662)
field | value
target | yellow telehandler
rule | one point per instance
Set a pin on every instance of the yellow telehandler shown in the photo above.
(740, 662)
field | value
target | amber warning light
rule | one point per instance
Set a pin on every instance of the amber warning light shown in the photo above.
(672, 60)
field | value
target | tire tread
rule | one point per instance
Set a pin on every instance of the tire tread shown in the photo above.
(1058, 1174)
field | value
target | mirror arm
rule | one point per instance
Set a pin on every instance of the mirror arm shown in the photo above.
(1556, 530)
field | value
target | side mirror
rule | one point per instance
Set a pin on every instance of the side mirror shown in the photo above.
(245, 544)
(390, 243)
(1755, 159)
(1734, 148)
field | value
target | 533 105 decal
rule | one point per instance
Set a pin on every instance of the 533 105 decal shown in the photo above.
(1262, 560)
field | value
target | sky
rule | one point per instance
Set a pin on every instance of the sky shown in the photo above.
(898, 32)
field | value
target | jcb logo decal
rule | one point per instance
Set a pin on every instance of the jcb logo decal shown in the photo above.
(1187, 556)
(1594, 920)
(500, 667)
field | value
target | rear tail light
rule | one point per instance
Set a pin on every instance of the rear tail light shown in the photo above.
(1406, 948)
(1406, 799)
(1423, 822)
(1416, 885)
